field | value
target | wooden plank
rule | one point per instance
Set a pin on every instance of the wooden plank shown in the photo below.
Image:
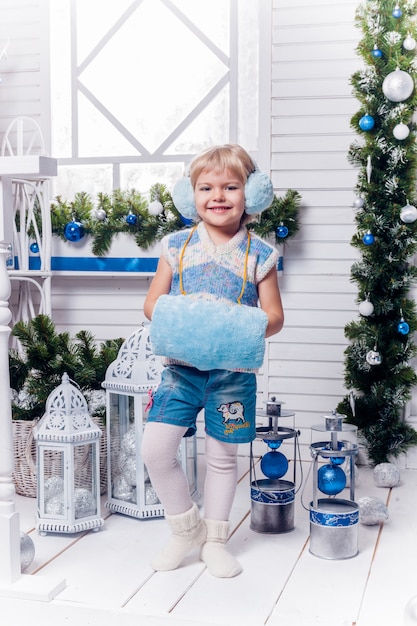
(392, 575)
(327, 598)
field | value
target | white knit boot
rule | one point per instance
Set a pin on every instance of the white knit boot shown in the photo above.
(219, 562)
(188, 531)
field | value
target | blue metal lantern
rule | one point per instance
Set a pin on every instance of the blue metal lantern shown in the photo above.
(333, 521)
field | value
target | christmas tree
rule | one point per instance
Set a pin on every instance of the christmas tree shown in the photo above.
(378, 370)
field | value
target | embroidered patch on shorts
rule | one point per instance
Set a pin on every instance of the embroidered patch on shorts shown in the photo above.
(233, 416)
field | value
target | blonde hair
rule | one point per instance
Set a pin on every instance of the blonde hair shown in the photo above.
(219, 158)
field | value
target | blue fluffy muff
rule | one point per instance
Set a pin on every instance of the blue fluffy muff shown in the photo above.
(208, 335)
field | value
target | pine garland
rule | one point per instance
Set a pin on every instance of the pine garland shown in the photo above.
(106, 218)
(377, 361)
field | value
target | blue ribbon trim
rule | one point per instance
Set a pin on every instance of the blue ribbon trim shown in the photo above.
(334, 519)
(272, 497)
(96, 264)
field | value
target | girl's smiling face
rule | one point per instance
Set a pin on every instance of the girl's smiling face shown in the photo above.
(220, 200)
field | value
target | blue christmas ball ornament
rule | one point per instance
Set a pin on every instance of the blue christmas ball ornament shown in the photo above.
(366, 122)
(331, 479)
(131, 219)
(74, 231)
(282, 231)
(274, 464)
(368, 239)
(397, 12)
(403, 328)
(273, 443)
(376, 53)
(338, 460)
(34, 248)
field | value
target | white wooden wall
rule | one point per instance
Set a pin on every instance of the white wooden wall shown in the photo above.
(312, 59)
(24, 87)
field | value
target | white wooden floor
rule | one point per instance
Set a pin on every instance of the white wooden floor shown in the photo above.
(109, 581)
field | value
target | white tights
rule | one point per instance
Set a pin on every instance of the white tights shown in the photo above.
(159, 453)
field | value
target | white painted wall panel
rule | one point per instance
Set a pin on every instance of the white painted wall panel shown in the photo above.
(313, 57)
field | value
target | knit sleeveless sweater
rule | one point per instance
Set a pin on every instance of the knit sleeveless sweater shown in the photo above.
(217, 272)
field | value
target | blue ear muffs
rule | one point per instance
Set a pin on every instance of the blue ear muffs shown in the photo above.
(259, 194)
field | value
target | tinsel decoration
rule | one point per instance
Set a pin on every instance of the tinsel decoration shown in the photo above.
(130, 212)
(386, 237)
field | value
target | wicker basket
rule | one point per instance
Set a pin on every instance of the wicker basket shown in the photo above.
(24, 475)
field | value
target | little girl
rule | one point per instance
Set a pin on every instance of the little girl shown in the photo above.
(216, 261)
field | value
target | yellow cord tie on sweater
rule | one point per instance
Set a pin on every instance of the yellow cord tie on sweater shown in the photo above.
(245, 267)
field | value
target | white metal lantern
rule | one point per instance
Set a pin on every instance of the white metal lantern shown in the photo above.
(129, 381)
(68, 464)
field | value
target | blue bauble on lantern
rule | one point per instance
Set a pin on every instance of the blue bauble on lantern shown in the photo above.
(74, 231)
(273, 443)
(282, 231)
(331, 479)
(368, 239)
(366, 122)
(131, 219)
(274, 464)
(338, 460)
(34, 248)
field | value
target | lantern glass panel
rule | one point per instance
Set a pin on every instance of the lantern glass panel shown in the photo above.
(51, 487)
(85, 480)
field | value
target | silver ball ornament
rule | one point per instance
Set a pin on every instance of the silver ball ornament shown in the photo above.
(408, 214)
(401, 131)
(366, 308)
(121, 489)
(155, 207)
(128, 443)
(359, 202)
(386, 475)
(55, 505)
(398, 86)
(100, 215)
(129, 470)
(27, 551)
(84, 503)
(150, 495)
(373, 358)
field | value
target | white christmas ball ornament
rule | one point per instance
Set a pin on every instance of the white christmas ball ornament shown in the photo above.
(401, 131)
(408, 214)
(409, 43)
(366, 308)
(398, 86)
(155, 207)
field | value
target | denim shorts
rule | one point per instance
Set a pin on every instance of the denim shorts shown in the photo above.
(228, 399)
